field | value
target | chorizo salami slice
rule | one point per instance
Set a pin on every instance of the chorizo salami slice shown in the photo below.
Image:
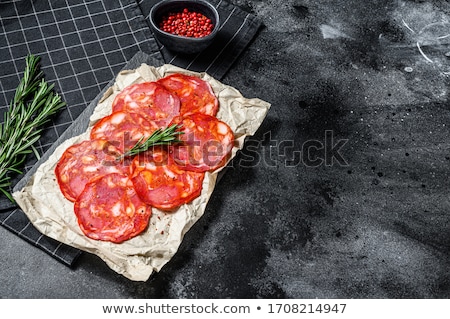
(85, 161)
(161, 183)
(196, 95)
(150, 100)
(109, 209)
(206, 143)
(123, 129)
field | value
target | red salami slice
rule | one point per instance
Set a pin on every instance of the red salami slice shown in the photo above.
(161, 183)
(196, 95)
(109, 209)
(85, 161)
(150, 100)
(207, 142)
(123, 129)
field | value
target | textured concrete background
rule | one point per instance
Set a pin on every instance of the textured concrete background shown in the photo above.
(343, 192)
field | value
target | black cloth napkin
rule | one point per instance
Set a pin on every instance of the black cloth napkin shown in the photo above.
(237, 29)
(83, 44)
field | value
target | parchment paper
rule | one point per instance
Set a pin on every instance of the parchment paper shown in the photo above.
(137, 258)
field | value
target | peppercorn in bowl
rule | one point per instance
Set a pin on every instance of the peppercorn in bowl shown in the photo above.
(184, 26)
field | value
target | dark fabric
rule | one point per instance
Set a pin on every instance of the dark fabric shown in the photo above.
(17, 222)
(237, 29)
(83, 44)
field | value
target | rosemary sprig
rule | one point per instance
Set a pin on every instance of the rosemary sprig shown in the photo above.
(165, 136)
(33, 104)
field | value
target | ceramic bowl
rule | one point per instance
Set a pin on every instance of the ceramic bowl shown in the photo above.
(183, 44)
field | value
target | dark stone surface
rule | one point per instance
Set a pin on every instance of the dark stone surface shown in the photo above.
(344, 190)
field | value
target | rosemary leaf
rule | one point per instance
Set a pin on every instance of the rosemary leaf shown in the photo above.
(165, 136)
(33, 104)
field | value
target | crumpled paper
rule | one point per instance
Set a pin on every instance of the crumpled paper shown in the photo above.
(137, 258)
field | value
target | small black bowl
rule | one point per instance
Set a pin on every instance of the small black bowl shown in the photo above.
(182, 44)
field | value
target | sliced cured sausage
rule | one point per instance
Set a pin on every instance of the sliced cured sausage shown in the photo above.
(149, 99)
(161, 183)
(196, 95)
(109, 209)
(207, 142)
(82, 162)
(123, 129)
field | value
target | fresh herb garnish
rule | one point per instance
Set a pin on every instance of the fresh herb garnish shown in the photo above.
(33, 104)
(165, 136)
